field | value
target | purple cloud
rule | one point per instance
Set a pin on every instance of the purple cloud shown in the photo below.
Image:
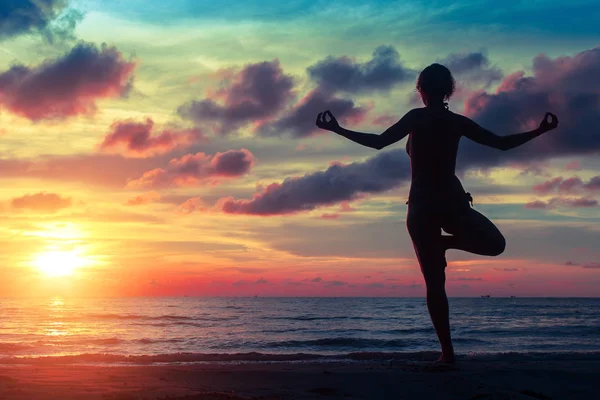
(472, 68)
(382, 72)
(253, 95)
(385, 171)
(68, 86)
(300, 120)
(566, 86)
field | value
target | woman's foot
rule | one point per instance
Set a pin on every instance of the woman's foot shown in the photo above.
(446, 359)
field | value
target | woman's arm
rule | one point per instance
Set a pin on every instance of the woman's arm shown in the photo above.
(481, 135)
(393, 134)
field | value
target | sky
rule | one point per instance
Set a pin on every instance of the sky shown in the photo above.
(152, 148)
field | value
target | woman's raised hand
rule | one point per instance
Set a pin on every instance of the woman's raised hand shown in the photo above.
(322, 122)
(546, 125)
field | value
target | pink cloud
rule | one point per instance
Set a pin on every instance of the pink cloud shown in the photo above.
(385, 120)
(145, 198)
(577, 202)
(573, 166)
(194, 169)
(570, 185)
(193, 205)
(68, 86)
(134, 139)
(537, 204)
(46, 202)
(548, 186)
(330, 216)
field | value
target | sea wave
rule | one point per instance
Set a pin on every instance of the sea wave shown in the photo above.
(178, 358)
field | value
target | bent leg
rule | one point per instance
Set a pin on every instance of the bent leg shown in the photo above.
(425, 232)
(473, 232)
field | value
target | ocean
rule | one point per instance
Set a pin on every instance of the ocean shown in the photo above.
(190, 329)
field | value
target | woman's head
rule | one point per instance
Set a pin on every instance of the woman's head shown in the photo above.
(435, 84)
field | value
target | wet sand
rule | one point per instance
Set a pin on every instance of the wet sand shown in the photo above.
(469, 379)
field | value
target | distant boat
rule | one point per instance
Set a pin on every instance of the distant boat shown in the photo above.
(512, 297)
(486, 296)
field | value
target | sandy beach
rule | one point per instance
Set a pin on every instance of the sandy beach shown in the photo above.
(469, 379)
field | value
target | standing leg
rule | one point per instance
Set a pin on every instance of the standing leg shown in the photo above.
(425, 232)
(473, 232)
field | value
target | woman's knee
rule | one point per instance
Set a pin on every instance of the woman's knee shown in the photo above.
(498, 245)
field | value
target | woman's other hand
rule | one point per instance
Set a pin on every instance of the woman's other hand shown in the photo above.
(546, 125)
(330, 125)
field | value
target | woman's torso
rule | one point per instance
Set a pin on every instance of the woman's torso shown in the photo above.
(433, 146)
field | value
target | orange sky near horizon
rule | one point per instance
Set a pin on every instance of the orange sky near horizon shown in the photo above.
(149, 157)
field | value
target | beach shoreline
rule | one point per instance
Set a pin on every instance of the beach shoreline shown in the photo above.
(471, 378)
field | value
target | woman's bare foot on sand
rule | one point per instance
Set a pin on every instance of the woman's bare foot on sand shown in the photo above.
(444, 359)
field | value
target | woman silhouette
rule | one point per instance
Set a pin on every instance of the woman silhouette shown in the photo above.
(437, 199)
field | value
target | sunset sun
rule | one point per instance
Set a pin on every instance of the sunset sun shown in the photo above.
(59, 263)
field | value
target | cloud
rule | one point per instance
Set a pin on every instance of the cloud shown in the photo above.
(593, 265)
(134, 139)
(570, 185)
(548, 186)
(467, 279)
(472, 68)
(566, 86)
(385, 120)
(385, 171)
(68, 86)
(573, 166)
(317, 279)
(536, 205)
(374, 285)
(253, 95)
(46, 202)
(507, 269)
(593, 184)
(244, 282)
(571, 263)
(191, 205)
(577, 202)
(50, 18)
(194, 169)
(382, 72)
(300, 120)
(145, 198)
(335, 283)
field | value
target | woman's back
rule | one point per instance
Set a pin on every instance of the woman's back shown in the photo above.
(433, 147)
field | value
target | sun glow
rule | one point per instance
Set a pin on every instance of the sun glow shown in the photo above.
(59, 263)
